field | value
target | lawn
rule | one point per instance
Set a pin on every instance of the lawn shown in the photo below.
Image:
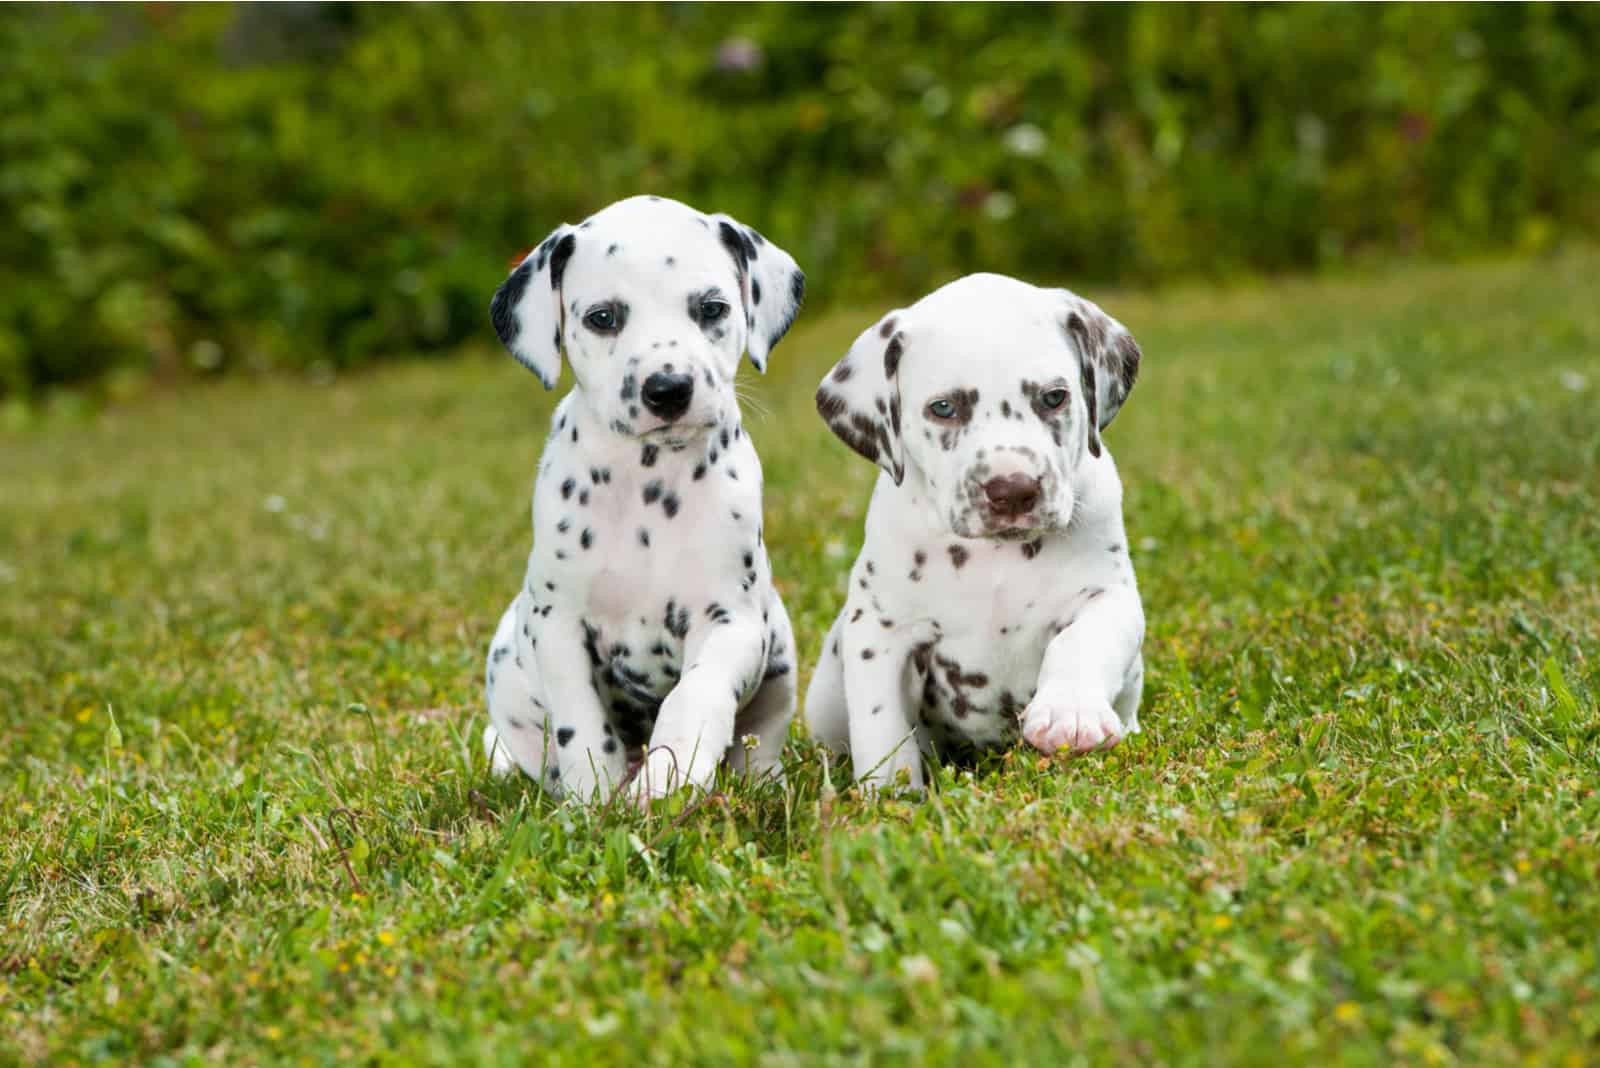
(244, 817)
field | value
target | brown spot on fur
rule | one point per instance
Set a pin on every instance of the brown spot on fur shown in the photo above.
(1090, 393)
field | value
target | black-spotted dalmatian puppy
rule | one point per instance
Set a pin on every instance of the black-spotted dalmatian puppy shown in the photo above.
(647, 626)
(993, 595)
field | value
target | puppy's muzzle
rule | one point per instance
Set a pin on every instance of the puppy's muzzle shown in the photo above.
(667, 396)
(1012, 495)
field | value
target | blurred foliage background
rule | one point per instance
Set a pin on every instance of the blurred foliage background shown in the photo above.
(198, 189)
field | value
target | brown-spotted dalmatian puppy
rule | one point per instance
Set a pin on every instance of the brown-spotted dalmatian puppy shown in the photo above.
(647, 627)
(993, 595)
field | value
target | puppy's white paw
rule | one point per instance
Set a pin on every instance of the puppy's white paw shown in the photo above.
(661, 774)
(1057, 719)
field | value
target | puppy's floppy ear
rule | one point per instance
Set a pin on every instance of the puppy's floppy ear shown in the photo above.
(526, 309)
(771, 285)
(1108, 360)
(860, 398)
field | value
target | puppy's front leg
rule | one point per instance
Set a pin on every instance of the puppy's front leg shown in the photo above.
(882, 741)
(586, 760)
(1086, 667)
(695, 726)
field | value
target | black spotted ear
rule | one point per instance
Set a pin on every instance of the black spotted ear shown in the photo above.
(860, 397)
(526, 309)
(1108, 360)
(771, 284)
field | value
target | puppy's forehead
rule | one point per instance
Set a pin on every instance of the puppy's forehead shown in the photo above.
(655, 236)
(984, 331)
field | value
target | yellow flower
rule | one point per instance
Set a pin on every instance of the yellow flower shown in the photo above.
(386, 937)
(1347, 1012)
(1222, 921)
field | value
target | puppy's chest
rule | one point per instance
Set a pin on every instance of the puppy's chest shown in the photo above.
(623, 524)
(996, 614)
(970, 684)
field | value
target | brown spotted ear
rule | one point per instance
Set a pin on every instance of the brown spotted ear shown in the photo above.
(860, 398)
(1108, 360)
(771, 285)
(526, 309)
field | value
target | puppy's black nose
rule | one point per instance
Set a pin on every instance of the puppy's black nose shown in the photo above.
(1012, 494)
(667, 395)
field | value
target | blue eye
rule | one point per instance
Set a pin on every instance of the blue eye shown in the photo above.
(1053, 398)
(942, 409)
(713, 310)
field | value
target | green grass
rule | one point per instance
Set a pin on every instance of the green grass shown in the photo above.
(244, 817)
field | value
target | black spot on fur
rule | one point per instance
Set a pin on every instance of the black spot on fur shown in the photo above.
(669, 504)
(586, 539)
(1031, 549)
(503, 308)
(648, 455)
(644, 537)
(676, 621)
(567, 487)
(735, 243)
(564, 735)
(958, 556)
(887, 329)
(559, 257)
(653, 490)
(891, 356)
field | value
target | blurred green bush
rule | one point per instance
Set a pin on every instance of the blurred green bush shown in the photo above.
(200, 188)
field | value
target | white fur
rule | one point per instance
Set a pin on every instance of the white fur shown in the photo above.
(964, 628)
(647, 628)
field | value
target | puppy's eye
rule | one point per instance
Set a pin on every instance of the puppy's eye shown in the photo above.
(941, 409)
(713, 310)
(603, 319)
(1053, 398)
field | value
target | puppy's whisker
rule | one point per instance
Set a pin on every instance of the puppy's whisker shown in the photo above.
(750, 401)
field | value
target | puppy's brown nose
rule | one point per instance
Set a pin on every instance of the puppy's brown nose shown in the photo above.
(1012, 494)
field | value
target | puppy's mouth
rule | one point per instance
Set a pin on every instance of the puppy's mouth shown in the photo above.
(678, 434)
(988, 525)
(1012, 528)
